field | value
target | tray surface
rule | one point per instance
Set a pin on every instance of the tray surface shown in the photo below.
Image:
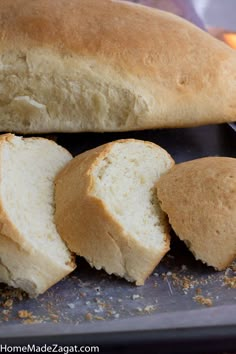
(178, 284)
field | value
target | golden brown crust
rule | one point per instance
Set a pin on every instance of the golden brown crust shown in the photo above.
(28, 269)
(171, 75)
(114, 31)
(199, 198)
(89, 229)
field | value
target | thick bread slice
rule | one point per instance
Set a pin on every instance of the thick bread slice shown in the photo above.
(107, 210)
(32, 254)
(89, 65)
(199, 198)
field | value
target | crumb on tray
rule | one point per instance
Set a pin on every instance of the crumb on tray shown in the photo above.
(230, 281)
(88, 316)
(203, 300)
(8, 303)
(24, 314)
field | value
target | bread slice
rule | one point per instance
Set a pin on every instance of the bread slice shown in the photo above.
(32, 254)
(107, 209)
(102, 65)
(199, 198)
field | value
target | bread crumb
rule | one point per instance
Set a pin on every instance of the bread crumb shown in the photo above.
(135, 296)
(82, 294)
(88, 316)
(24, 314)
(8, 303)
(203, 300)
(231, 282)
(99, 318)
(186, 284)
(149, 308)
(198, 291)
(32, 321)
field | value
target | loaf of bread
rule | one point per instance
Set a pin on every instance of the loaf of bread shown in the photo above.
(107, 209)
(199, 198)
(32, 255)
(89, 65)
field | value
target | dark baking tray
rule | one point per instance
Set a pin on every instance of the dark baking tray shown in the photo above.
(182, 302)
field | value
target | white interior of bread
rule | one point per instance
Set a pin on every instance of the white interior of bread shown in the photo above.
(126, 179)
(27, 189)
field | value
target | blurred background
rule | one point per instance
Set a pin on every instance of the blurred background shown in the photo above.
(217, 13)
(216, 16)
(219, 18)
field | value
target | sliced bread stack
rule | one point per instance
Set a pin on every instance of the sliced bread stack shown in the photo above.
(109, 205)
(32, 254)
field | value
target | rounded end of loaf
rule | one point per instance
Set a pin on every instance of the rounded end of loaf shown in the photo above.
(199, 198)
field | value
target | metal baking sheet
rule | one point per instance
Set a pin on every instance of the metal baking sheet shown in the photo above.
(181, 292)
